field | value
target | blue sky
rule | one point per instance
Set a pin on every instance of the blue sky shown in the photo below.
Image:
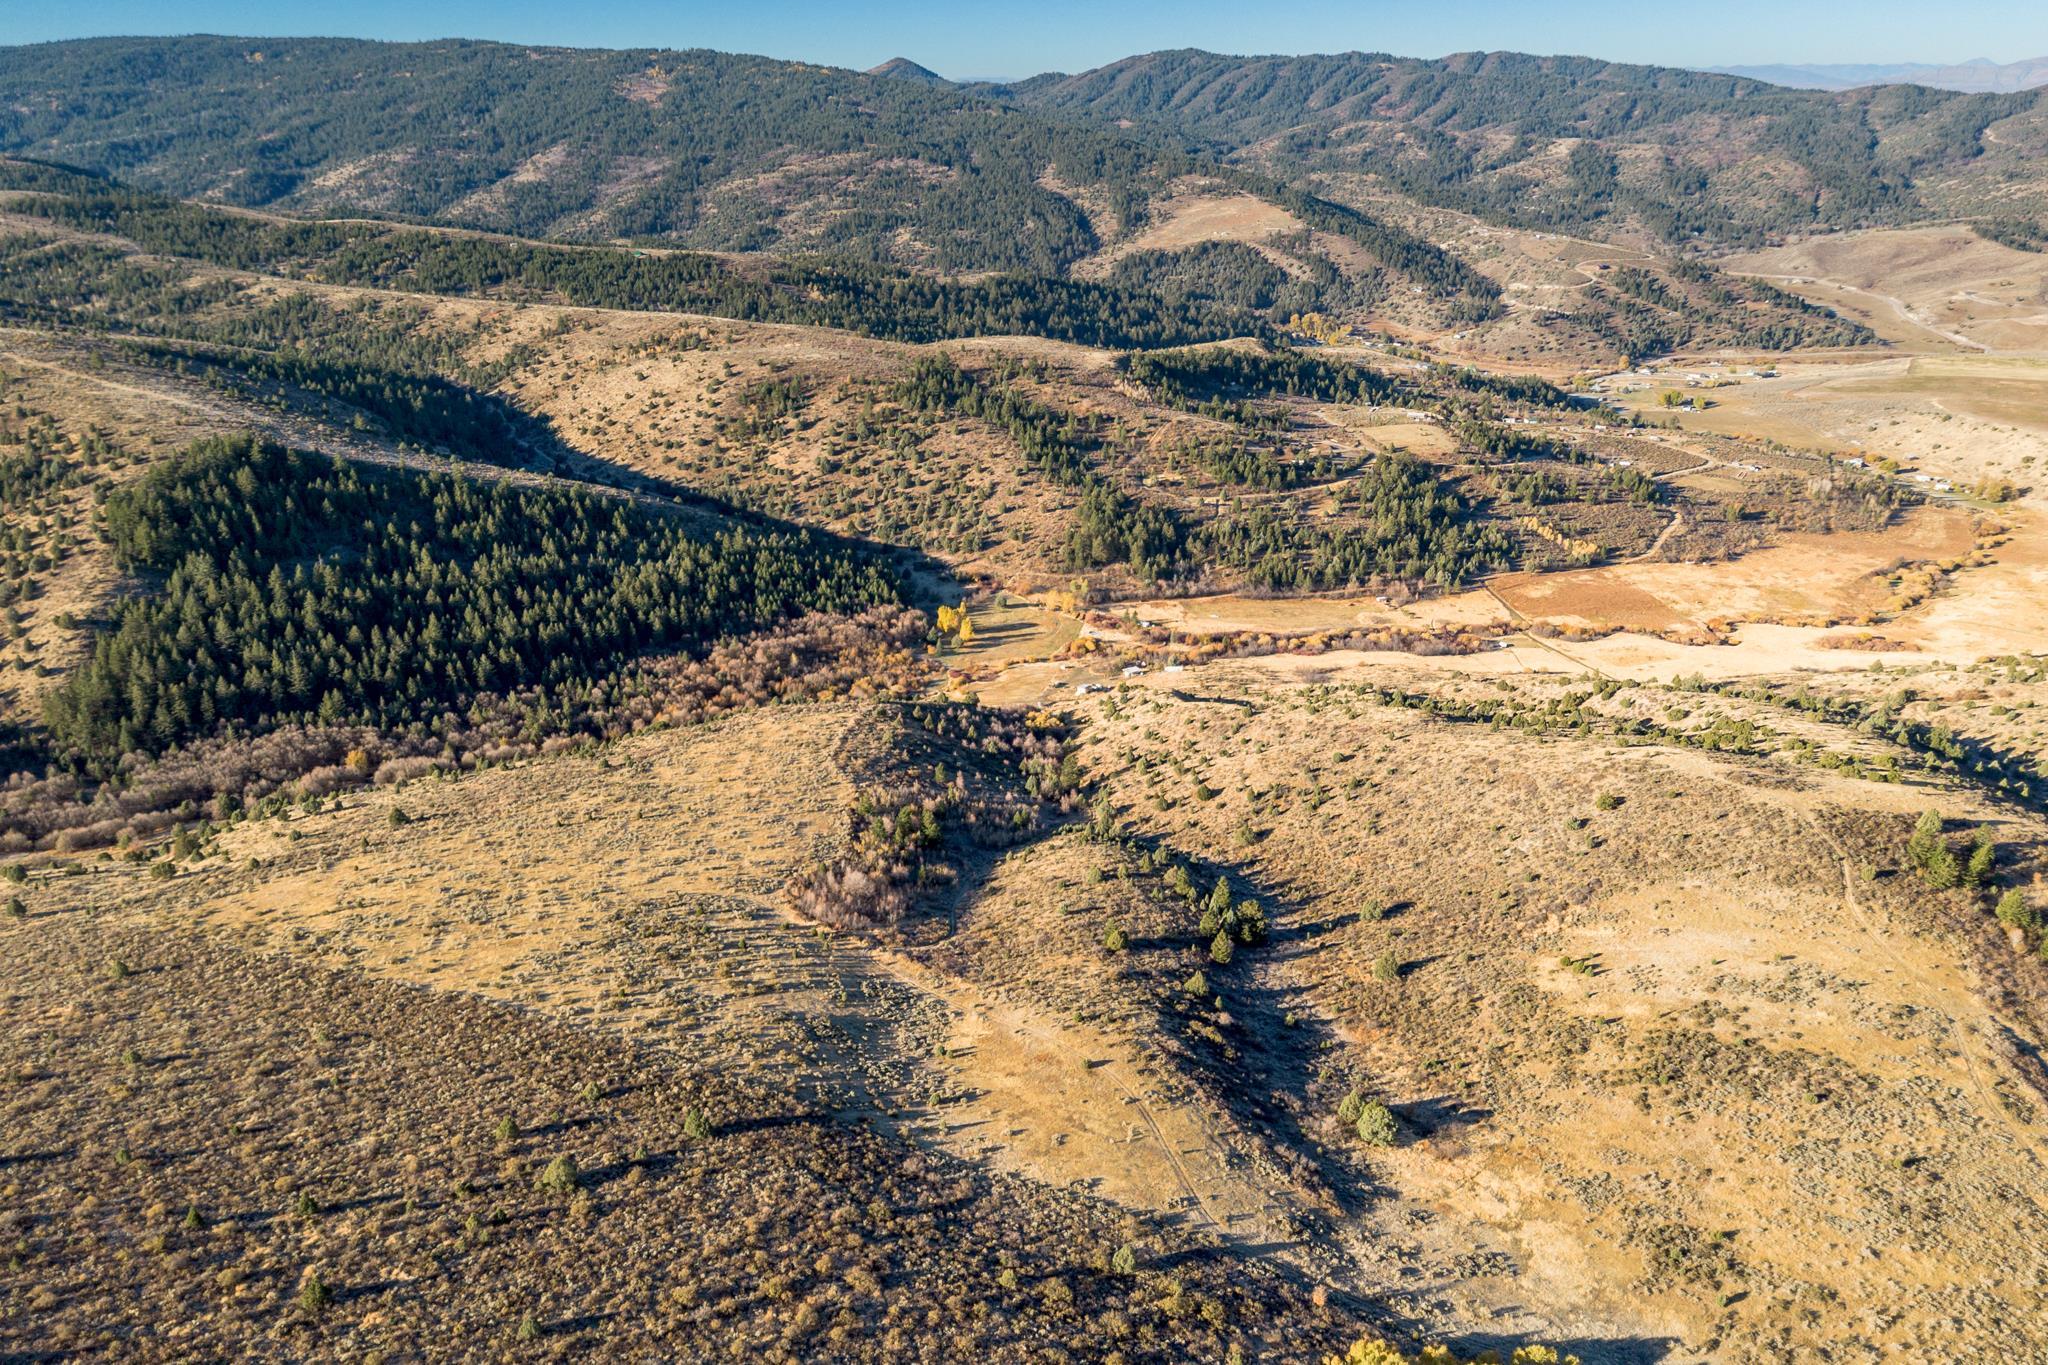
(961, 38)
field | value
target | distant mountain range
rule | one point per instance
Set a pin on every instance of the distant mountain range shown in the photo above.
(1978, 77)
(898, 167)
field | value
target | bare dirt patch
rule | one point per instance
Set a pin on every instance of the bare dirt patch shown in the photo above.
(1805, 578)
(1188, 220)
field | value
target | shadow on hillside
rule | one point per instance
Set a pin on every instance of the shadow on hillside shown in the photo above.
(1442, 1114)
(490, 432)
(1263, 1078)
(1589, 1350)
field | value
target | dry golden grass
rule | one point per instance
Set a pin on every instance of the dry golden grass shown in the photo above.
(1684, 1061)
(1939, 287)
(1751, 1023)
(229, 1155)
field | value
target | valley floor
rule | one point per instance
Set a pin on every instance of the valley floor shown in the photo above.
(1609, 902)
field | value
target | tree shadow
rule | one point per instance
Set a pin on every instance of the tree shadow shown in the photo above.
(9, 1161)
(1441, 1114)
(583, 1322)
(1589, 1350)
(1239, 703)
(764, 1123)
(364, 1201)
(352, 1292)
(493, 433)
(557, 1127)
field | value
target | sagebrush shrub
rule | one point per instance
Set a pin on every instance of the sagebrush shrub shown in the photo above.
(1375, 1124)
(559, 1176)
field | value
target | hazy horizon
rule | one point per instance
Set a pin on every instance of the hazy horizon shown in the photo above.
(974, 41)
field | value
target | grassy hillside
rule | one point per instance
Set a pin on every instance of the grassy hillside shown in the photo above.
(1213, 468)
(957, 785)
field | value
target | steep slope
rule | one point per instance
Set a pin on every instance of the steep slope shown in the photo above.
(1048, 178)
(705, 147)
(1572, 141)
(694, 148)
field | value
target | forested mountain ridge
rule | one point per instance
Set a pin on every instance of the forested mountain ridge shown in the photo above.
(711, 149)
(875, 300)
(719, 151)
(696, 148)
(1572, 141)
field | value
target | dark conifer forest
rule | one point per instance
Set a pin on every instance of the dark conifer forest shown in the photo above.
(288, 588)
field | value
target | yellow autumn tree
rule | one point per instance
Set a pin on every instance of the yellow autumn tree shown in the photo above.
(1364, 1352)
(1319, 327)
